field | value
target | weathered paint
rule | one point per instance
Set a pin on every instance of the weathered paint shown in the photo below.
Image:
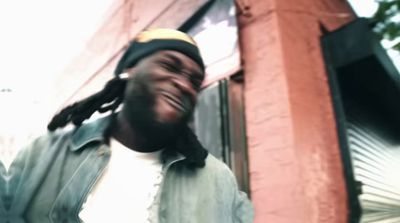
(295, 167)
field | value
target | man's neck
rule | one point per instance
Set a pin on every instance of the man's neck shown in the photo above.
(132, 138)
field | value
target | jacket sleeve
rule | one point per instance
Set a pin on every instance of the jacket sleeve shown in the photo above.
(22, 170)
(20, 165)
(3, 189)
(243, 208)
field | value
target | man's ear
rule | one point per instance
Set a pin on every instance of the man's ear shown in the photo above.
(128, 72)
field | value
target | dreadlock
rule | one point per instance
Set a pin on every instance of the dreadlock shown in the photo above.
(189, 146)
(108, 99)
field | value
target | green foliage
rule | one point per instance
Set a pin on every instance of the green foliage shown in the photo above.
(383, 20)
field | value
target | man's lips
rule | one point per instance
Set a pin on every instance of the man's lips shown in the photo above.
(180, 103)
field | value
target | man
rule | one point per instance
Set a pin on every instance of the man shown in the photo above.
(142, 163)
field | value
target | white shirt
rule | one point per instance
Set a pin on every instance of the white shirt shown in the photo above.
(126, 189)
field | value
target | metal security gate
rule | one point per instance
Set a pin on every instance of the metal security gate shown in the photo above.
(376, 164)
(365, 88)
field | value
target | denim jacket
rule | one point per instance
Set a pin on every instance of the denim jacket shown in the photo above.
(50, 180)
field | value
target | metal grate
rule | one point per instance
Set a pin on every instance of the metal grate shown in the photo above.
(376, 163)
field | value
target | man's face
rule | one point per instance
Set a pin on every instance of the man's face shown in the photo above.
(165, 86)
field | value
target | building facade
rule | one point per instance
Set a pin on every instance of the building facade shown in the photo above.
(268, 99)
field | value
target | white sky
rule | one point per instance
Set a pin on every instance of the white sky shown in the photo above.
(364, 8)
(38, 38)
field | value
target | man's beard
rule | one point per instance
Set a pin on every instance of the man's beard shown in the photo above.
(139, 108)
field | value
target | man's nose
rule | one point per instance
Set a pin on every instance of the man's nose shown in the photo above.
(183, 84)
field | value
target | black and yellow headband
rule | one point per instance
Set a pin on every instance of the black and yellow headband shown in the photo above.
(150, 41)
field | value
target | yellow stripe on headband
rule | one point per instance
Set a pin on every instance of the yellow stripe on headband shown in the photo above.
(171, 34)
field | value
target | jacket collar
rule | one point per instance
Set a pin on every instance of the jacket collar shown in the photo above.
(94, 132)
(89, 132)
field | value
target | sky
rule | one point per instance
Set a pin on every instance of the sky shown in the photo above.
(38, 39)
(364, 8)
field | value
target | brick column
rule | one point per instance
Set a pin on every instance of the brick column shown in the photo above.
(296, 172)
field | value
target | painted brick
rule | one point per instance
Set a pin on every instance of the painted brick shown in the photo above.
(295, 167)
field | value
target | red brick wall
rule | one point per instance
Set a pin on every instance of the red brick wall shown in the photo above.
(295, 166)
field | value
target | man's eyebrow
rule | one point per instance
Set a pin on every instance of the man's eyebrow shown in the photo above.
(174, 58)
(178, 61)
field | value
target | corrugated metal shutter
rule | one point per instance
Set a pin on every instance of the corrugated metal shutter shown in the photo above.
(376, 163)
